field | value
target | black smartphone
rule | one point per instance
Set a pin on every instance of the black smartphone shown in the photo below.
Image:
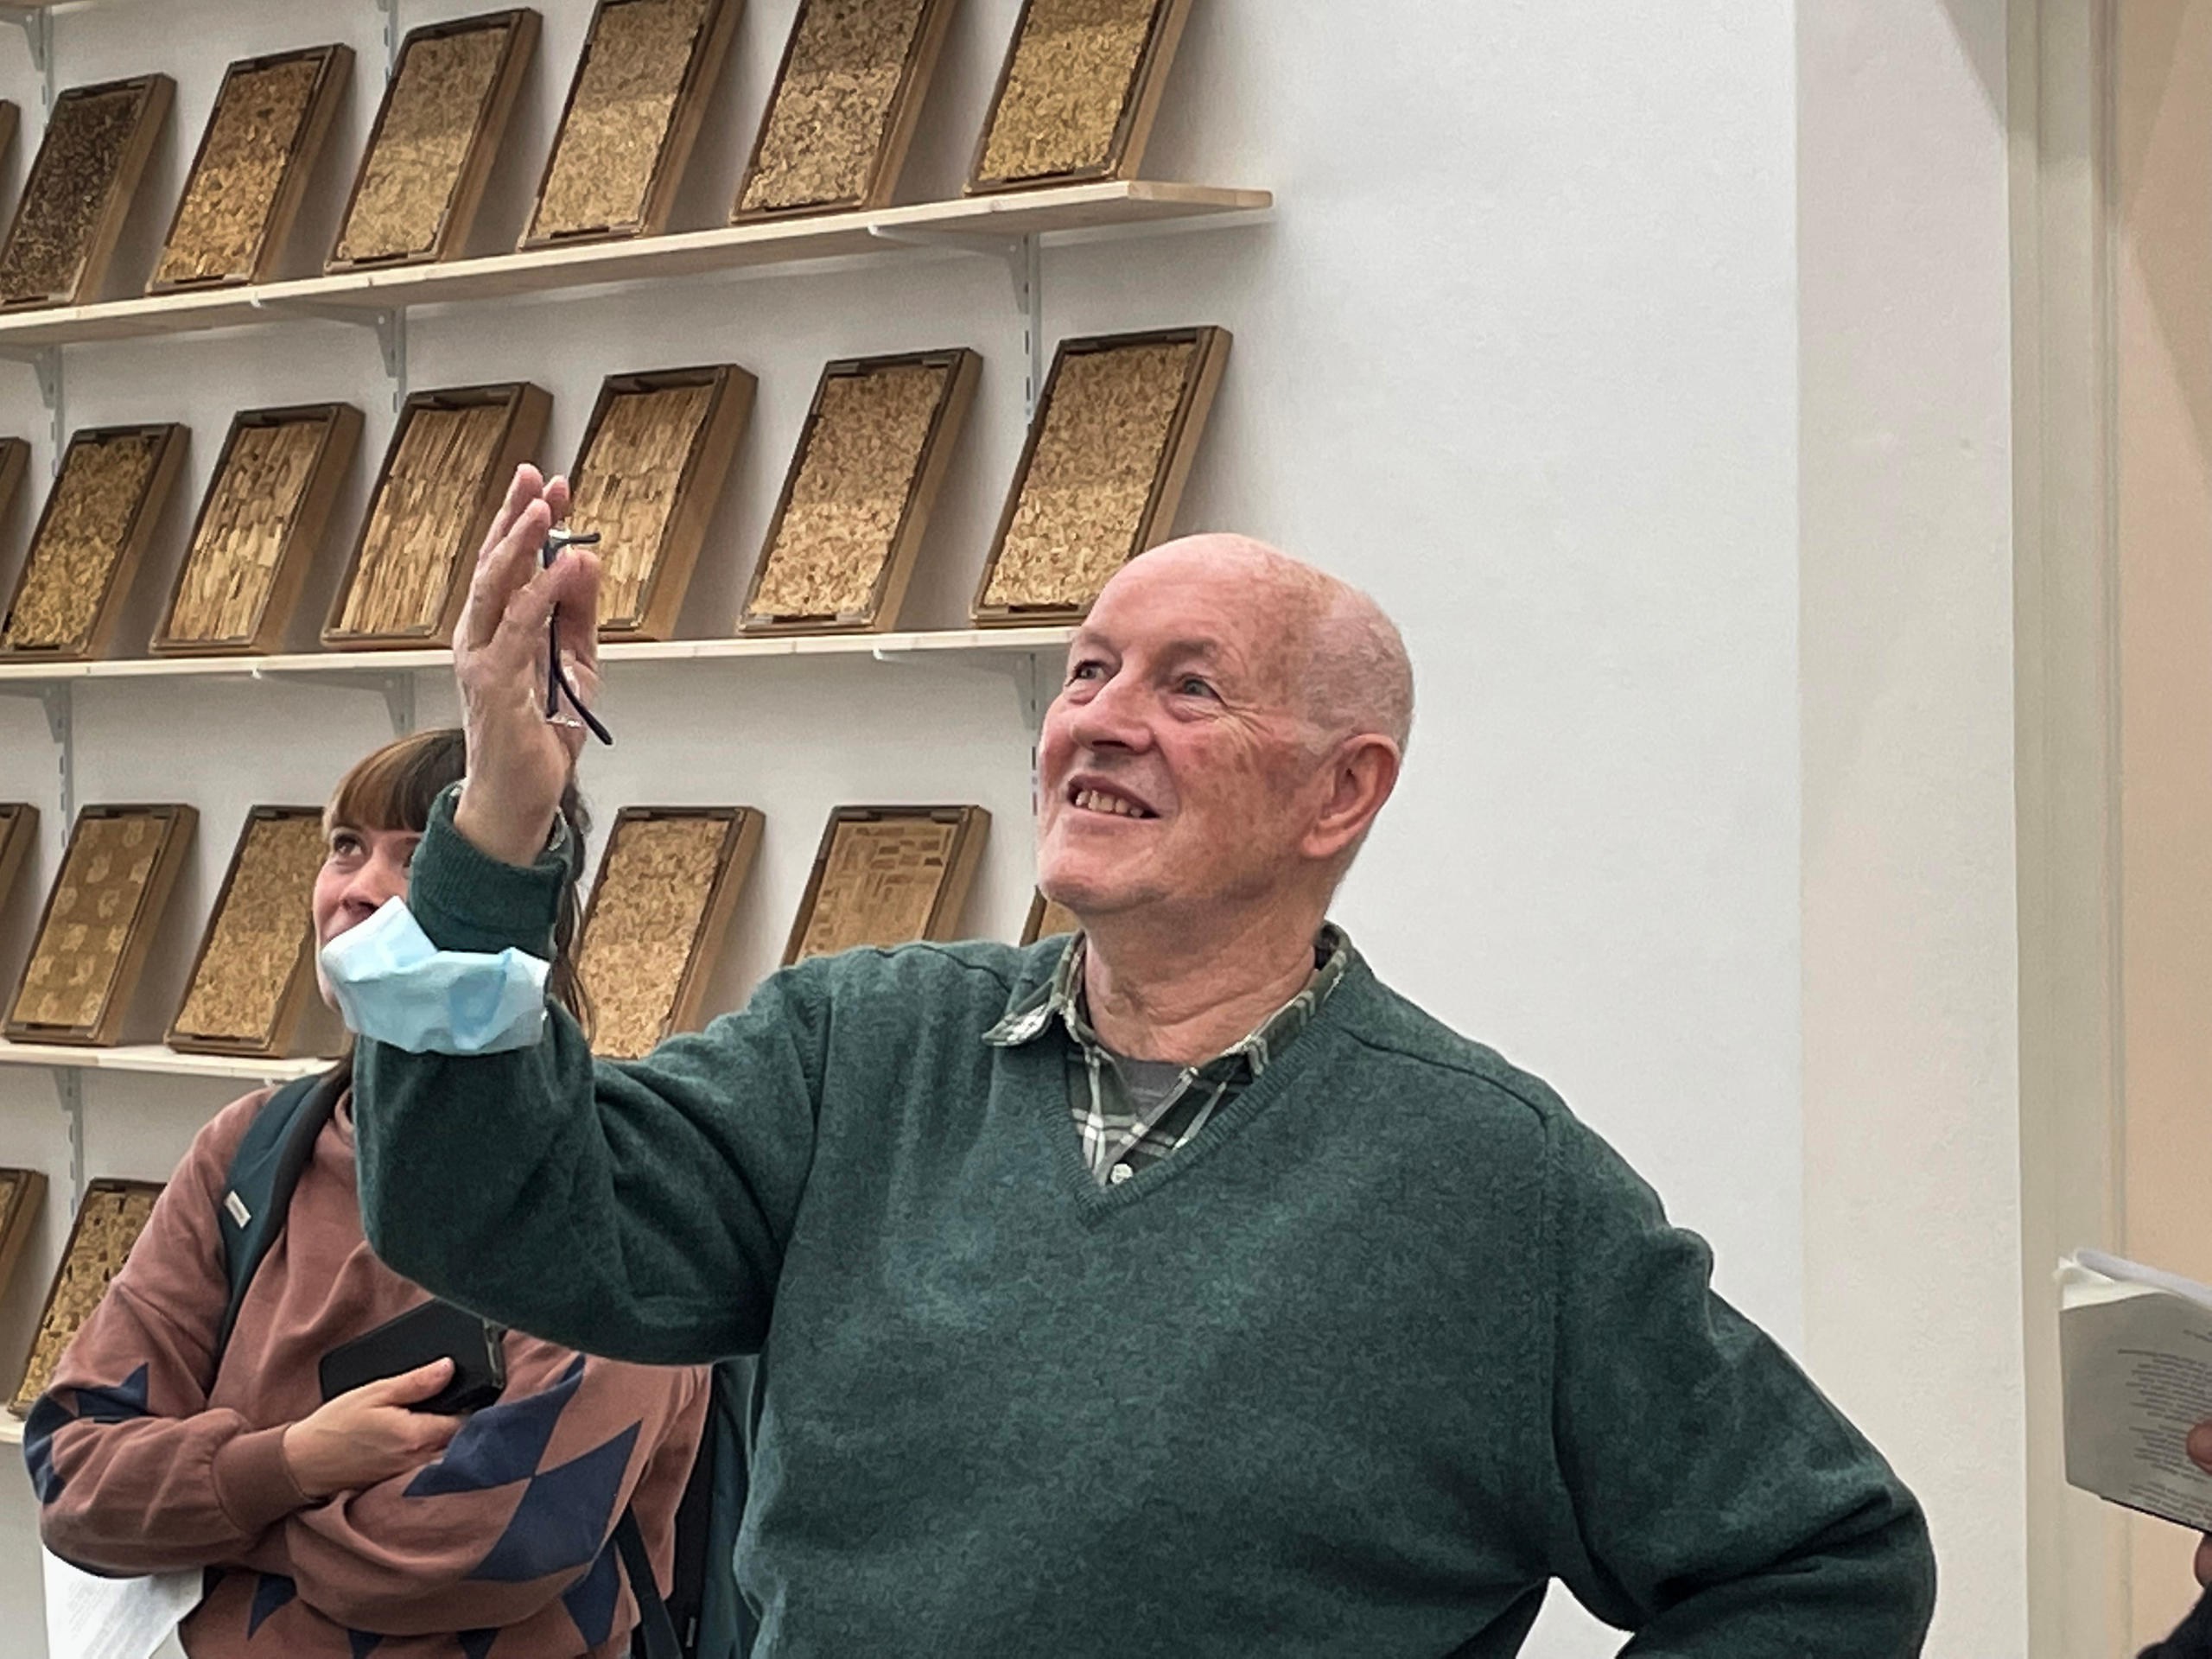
(436, 1329)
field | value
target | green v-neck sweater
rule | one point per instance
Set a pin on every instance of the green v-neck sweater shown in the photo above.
(1392, 1344)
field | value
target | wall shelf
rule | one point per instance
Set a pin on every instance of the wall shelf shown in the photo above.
(982, 646)
(985, 224)
(155, 1057)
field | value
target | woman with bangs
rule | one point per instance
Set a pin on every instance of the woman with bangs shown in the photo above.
(354, 1526)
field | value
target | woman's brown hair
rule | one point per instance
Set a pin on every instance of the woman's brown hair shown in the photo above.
(393, 789)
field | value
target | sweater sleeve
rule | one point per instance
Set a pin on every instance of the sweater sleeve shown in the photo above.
(134, 1473)
(635, 1209)
(1720, 1505)
(517, 1511)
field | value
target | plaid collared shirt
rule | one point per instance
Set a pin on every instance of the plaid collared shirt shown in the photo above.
(1121, 1131)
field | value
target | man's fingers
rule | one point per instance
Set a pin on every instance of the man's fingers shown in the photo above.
(525, 487)
(556, 497)
(2204, 1561)
(504, 567)
(575, 590)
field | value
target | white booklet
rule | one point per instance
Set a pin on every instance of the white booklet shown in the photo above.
(2135, 1356)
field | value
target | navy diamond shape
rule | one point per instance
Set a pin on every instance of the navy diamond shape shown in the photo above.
(120, 1404)
(500, 1444)
(271, 1593)
(563, 1518)
(590, 1600)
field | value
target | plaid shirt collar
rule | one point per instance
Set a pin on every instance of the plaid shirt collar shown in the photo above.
(1061, 998)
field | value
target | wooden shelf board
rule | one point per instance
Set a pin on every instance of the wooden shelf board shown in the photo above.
(356, 665)
(153, 1057)
(360, 295)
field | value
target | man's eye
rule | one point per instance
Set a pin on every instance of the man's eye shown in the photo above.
(1087, 669)
(1191, 686)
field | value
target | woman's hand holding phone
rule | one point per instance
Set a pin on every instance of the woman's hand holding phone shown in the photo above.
(368, 1434)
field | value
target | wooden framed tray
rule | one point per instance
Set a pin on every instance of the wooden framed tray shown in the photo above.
(888, 875)
(108, 1224)
(444, 113)
(1109, 451)
(634, 111)
(18, 834)
(14, 462)
(659, 912)
(856, 502)
(648, 476)
(253, 979)
(1077, 92)
(21, 1192)
(444, 475)
(91, 536)
(97, 144)
(1047, 918)
(100, 921)
(267, 509)
(271, 117)
(842, 114)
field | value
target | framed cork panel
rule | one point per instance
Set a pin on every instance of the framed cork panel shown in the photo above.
(1109, 451)
(444, 113)
(18, 834)
(21, 1192)
(633, 114)
(648, 475)
(97, 143)
(271, 117)
(451, 457)
(266, 511)
(1077, 92)
(254, 976)
(888, 875)
(108, 1224)
(659, 912)
(100, 921)
(14, 462)
(856, 502)
(1048, 917)
(842, 114)
(91, 536)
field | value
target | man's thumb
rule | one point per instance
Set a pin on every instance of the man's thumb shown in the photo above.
(418, 1384)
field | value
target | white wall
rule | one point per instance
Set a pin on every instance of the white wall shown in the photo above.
(1912, 1182)
(1519, 350)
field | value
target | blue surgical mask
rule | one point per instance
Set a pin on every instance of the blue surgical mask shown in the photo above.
(394, 986)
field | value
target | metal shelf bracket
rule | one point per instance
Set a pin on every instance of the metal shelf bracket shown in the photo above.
(38, 36)
(57, 698)
(397, 689)
(387, 323)
(69, 1089)
(1023, 671)
(1024, 258)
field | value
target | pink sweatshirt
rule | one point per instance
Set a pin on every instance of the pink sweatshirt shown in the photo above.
(144, 1462)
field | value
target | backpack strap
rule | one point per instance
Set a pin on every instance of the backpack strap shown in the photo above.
(655, 1637)
(257, 1191)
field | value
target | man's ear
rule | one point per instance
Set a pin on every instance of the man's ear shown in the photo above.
(1361, 772)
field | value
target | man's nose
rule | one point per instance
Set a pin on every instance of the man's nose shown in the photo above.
(1117, 716)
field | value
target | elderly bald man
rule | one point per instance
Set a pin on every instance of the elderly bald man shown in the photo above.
(1178, 1288)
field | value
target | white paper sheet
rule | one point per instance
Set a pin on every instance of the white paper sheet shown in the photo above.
(92, 1618)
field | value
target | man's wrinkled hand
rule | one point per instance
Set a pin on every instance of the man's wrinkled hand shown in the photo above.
(520, 761)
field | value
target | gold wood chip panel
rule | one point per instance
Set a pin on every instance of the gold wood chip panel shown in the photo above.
(659, 911)
(1077, 92)
(856, 502)
(271, 117)
(255, 970)
(452, 454)
(436, 133)
(841, 114)
(1048, 917)
(92, 533)
(100, 921)
(888, 875)
(95, 149)
(264, 518)
(633, 114)
(1108, 452)
(114, 1213)
(648, 475)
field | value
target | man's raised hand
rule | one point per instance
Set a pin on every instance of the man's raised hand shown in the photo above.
(520, 761)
